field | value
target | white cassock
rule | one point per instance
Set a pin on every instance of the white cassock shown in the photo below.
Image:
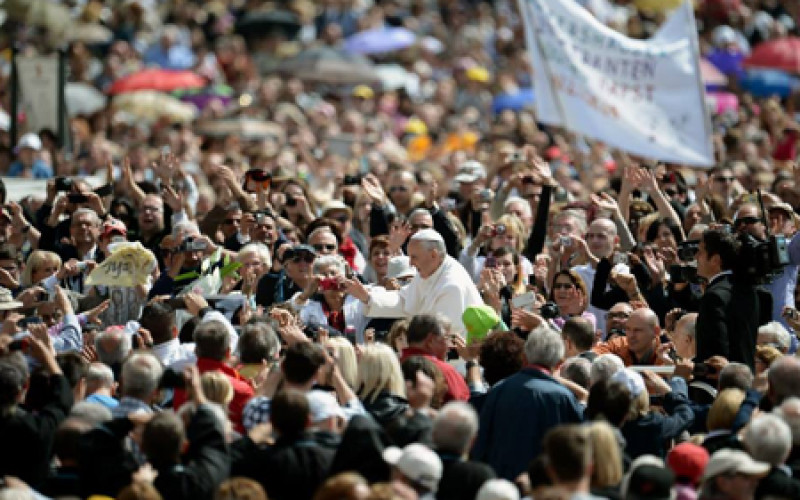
(448, 291)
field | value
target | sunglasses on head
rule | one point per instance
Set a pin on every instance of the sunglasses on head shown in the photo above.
(397, 188)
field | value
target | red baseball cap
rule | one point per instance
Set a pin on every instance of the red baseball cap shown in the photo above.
(114, 226)
(688, 461)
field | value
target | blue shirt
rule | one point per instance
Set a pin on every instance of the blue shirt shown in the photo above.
(40, 170)
(782, 287)
(104, 400)
(177, 57)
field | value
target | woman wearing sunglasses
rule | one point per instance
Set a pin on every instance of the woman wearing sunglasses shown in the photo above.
(569, 293)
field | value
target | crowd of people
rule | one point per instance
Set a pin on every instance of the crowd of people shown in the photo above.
(406, 290)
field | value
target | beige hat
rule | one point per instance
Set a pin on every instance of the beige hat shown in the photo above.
(418, 463)
(7, 301)
(334, 205)
(400, 267)
(727, 461)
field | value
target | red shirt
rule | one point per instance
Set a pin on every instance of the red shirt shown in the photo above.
(242, 390)
(456, 385)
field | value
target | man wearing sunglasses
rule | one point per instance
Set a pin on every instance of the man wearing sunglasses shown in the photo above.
(294, 276)
(748, 219)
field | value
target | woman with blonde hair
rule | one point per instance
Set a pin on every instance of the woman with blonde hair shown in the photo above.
(217, 388)
(607, 468)
(342, 351)
(507, 231)
(720, 420)
(41, 264)
(381, 387)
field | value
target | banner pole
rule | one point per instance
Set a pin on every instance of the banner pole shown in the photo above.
(687, 6)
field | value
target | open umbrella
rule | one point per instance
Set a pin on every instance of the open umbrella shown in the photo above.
(247, 128)
(150, 106)
(712, 77)
(378, 41)
(518, 100)
(202, 97)
(89, 33)
(780, 53)
(83, 99)
(769, 82)
(163, 80)
(264, 22)
(722, 102)
(329, 65)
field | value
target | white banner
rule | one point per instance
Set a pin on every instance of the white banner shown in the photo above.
(641, 96)
(38, 84)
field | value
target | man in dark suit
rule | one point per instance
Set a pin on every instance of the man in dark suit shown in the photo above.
(730, 309)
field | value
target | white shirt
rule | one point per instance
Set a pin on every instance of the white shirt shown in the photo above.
(448, 291)
(587, 273)
(175, 355)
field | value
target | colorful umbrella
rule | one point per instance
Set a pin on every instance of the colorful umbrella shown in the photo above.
(769, 82)
(202, 97)
(781, 53)
(379, 41)
(518, 100)
(157, 79)
(722, 102)
(728, 62)
(712, 77)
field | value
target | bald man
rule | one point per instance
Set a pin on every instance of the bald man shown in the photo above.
(640, 343)
(601, 238)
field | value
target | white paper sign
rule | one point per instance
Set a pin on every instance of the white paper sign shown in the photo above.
(641, 96)
(38, 84)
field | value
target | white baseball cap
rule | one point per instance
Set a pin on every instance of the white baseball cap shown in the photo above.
(727, 461)
(632, 380)
(418, 463)
(323, 405)
(470, 171)
(29, 140)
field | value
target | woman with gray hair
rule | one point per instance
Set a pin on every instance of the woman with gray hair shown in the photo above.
(326, 303)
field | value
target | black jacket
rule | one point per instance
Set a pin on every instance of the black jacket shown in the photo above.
(291, 469)
(27, 439)
(461, 478)
(778, 484)
(206, 463)
(728, 320)
(274, 288)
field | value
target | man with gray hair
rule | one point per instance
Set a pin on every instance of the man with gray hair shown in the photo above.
(775, 335)
(784, 379)
(141, 374)
(113, 345)
(100, 385)
(519, 410)
(441, 285)
(454, 431)
(768, 439)
(789, 411)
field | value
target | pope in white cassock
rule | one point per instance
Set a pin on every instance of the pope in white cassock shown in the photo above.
(441, 285)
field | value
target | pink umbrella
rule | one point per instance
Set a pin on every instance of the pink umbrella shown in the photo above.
(711, 75)
(780, 53)
(722, 102)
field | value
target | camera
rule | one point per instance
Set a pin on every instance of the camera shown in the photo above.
(352, 180)
(491, 263)
(486, 195)
(329, 284)
(291, 201)
(498, 230)
(261, 219)
(63, 183)
(549, 310)
(77, 198)
(192, 245)
(687, 250)
(682, 274)
(566, 241)
(516, 157)
(760, 261)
